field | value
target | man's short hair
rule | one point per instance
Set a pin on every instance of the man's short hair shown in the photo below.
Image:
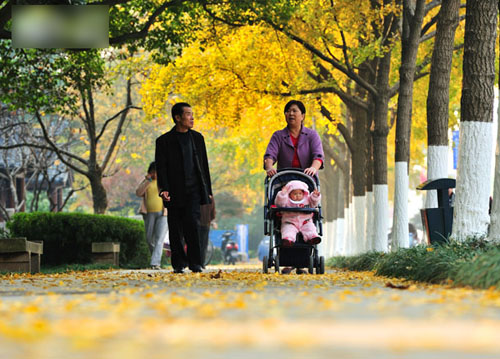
(178, 109)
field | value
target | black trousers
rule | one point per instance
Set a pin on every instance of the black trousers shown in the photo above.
(204, 234)
(184, 227)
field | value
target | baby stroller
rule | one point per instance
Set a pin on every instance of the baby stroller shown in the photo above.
(301, 254)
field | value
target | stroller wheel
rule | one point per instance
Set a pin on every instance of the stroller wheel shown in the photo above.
(320, 269)
(311, 265)
(277, 264)
(264, 264)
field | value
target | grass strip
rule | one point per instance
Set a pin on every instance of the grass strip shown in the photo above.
(473, 262)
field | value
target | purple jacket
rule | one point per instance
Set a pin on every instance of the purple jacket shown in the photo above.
(281, 149)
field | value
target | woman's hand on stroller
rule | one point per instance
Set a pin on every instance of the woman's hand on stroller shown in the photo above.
(271, 171)
(310, 171)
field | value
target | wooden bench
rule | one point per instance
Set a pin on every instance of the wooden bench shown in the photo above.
(106, 253)
(20, 255)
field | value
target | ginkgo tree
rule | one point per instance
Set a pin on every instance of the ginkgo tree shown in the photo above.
(234, 98)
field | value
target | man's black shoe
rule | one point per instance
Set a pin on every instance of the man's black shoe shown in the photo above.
(178, 270)
(196, 269)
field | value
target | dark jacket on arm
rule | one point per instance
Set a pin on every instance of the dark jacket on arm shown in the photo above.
(170, 167)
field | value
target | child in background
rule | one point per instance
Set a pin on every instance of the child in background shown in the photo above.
(296, 194)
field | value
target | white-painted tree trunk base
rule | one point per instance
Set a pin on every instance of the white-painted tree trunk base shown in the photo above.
(331, 245)
(340, 237)
(327, 239)
(359, 208)
(470, 216)
(437, 167)
(400, 233)
(348, 231)
(380, 194)
(494, 231)
(369, 222)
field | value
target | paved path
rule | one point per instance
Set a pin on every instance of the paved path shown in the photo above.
(237, 312)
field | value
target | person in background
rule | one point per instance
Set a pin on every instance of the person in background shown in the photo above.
(451, 197)
(154, 214)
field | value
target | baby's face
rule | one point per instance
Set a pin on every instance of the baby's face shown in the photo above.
(296, 195)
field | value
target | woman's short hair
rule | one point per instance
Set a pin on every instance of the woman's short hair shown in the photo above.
(152, 167)
(178, 109)
(299, 104)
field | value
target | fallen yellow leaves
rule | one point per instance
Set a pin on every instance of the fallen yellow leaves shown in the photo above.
(121, 314)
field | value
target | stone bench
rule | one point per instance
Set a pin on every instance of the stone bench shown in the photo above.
(20, 255)
(106, 253)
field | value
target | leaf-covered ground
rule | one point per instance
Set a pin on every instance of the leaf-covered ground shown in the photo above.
(241, 313)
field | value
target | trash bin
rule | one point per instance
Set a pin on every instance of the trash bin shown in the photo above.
(438, 222)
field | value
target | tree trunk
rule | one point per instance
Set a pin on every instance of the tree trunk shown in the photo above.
(380, 191)
(358, 166)
(99, 196)
(328, 203)
(334, 204)
(474, 164)
(438, 97)
(370, 210)
(412, 24)
(494, 231)
(340, 227)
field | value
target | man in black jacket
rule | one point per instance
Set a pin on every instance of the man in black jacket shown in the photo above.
(184, 184)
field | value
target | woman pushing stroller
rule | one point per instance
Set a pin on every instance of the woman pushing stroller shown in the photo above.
(296, 194)
(295, 146)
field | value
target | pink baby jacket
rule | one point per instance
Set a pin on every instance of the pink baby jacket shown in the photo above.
(309, 200)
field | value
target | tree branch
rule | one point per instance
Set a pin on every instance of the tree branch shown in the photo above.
(427, 26)
(432, 5)
(109, 120)
(71, 155)
(5, 14)
(145, 30)
(340, 126)
(118, 130)
(433, 33)
(341, 163)
(57, 150)
(352, 75)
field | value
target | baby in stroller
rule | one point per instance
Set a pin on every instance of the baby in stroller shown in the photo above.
(296, 194)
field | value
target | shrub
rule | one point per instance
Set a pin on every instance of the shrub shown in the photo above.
(481, 272)
(364, 262)
(474, 262)
(67, 237)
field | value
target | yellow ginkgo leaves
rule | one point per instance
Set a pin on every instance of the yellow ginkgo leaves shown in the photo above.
(129, 314)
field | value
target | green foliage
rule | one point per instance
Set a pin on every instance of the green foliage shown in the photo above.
(40, 81)
(418, 264)
(4, 233)
(75, 268)
(363, 262)
(474, 262)
(67, 237)
(483, 271)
